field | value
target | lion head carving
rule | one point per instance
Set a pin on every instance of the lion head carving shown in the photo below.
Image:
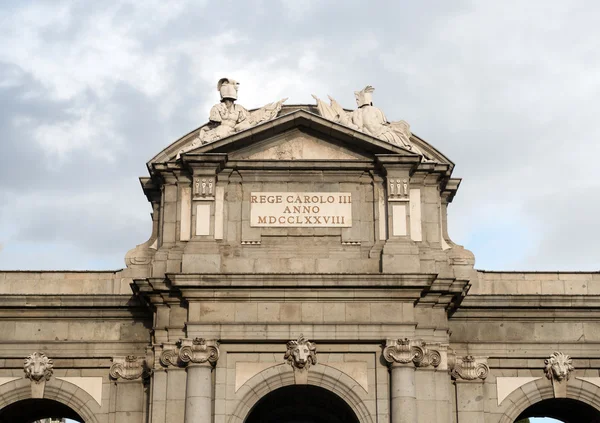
(558, 366)
(38, 367)
(301, 353)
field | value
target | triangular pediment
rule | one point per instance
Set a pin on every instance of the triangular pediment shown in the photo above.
(300, 136)
(297, 144)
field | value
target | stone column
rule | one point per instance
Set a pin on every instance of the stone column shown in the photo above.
(200, 355)
(469, 373)
(403, 355)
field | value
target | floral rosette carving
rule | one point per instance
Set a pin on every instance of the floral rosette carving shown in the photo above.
(470, 368)
(38, 367)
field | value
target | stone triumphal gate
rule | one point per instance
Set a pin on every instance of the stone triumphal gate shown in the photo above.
(299, 270)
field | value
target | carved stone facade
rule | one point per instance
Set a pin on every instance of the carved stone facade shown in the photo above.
(288, 220)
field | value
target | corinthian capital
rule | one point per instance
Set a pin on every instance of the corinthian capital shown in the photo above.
(199, 351)
(470, 368)
(407, 351)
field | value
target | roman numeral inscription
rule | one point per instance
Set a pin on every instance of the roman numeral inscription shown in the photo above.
(301, 209)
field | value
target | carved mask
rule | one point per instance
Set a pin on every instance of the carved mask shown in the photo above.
(559, 366)
(301, 353)
(228, 88)
(38, 367)
(365, 96)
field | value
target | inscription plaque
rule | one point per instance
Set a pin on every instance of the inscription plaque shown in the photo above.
(301, 209)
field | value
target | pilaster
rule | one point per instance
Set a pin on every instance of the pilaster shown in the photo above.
(469, 375)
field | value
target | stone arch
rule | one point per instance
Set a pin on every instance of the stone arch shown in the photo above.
(57, 390)
(530, 393)
(282, 375)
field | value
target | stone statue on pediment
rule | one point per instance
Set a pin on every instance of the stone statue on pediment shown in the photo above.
(227, 117)
(370, 120)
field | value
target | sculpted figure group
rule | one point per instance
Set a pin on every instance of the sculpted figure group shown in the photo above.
(227, 118)
(370, 120)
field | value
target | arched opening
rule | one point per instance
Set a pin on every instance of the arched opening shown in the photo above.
(301, 404)
(31, 410)
(562, 409)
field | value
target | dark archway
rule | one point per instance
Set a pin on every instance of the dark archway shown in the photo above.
(301, 404)
(563, 409)
(30, 410)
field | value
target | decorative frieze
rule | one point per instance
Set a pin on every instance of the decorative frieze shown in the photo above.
(204, 188)
(130, 367)
(410, 352)
(398, 190)
(199, 351)
(301, 354)
(470, 368)
(558, 368)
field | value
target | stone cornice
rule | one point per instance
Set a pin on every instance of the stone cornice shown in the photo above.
(529, 307)
(362, 280)
(533, 300)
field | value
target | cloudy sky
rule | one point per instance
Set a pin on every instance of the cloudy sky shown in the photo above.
(90, 91)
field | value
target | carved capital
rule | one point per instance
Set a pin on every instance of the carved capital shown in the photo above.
(38, 367)
(410, 352)
(301, 353)
(169, 355)
(199, 351)
(470, 368)
(558, 368)
(130, 367)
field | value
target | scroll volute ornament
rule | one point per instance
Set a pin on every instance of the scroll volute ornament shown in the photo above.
(130, 367)
(169, 355)
(199, 351)
(558, 368)
(414, 352)
(470, 368)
